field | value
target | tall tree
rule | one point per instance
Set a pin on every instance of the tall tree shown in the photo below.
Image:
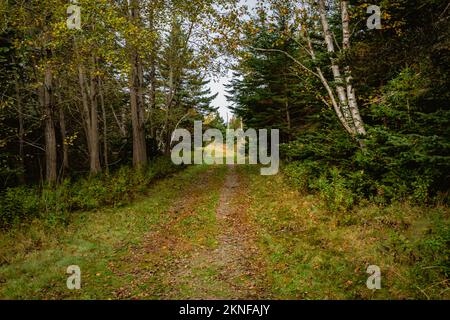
(136, 93)
(47, 105)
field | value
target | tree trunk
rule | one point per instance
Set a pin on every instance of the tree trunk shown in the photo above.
(169, 100)
(95, 166)
(21, 132)
(342, 95)
(105, 128)
(345, 26)
(50, 136)
(136, 98)
(65, 146)
(327, 86)
(352, 101)
(121, 123)
(139, 146)
(286, 106)
(153, 58)
(90, 117)
(85, 103)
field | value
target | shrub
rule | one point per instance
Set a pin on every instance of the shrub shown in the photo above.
(333, 191)
(298, 175)
(407, 155)
(17, 204)
(54, 204)
(331, 185)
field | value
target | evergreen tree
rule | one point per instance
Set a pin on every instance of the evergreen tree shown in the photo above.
(266, 88)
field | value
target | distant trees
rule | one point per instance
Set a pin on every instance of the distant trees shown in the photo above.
(182, 84)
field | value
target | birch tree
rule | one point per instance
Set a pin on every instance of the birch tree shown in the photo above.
(340, 91)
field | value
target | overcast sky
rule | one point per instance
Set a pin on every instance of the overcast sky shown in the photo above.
(218, 86)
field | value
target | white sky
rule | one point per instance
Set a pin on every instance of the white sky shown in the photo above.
(218, 85)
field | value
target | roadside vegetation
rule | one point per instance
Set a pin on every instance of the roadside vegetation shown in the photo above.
(314, 252)
(167, 244)
(53, 204)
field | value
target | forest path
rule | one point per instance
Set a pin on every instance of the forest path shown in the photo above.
(205, 250)
(230, 269)
(188, 237)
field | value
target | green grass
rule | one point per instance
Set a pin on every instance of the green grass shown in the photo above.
(314, 253)
(34, 258)
(155, 248)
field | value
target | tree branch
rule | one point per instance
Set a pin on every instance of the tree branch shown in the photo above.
(290, 57)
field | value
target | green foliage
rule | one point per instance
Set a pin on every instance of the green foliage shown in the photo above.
(17, 204)
(267, 89)
(330, 184)
(298, 175)
(173, 57)
(407, 155)
(54, 204)
(312, 254)
(333, 190)
(400, 75)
